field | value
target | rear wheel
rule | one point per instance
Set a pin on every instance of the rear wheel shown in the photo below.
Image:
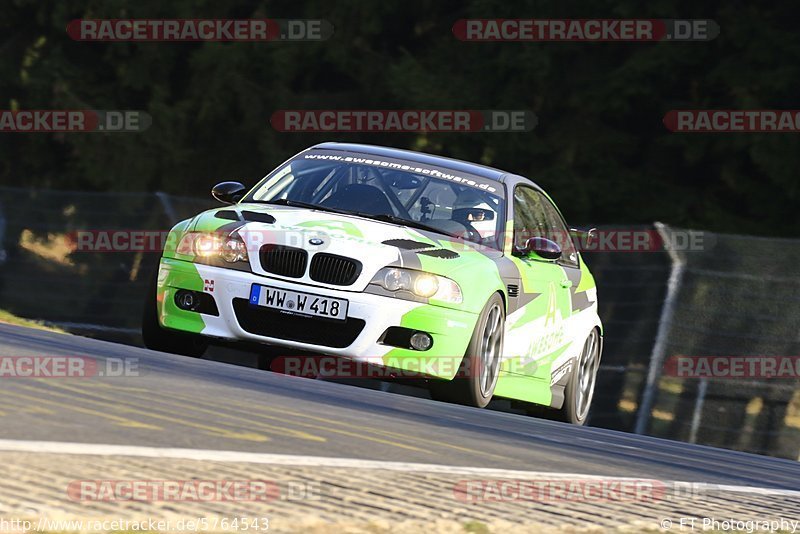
(477, 376)
(580, 388)
(156, 337)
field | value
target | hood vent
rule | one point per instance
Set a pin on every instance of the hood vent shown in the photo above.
(229, 215)
(407, 244)
(440, 253)
(255, 216)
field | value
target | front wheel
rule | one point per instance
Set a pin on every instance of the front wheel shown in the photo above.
(477, 375)
(156, 337)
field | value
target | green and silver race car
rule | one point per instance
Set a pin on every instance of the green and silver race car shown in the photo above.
(464, 274)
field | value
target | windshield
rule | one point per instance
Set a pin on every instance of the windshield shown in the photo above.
(457, 205)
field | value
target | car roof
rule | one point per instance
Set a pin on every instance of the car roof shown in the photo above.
(429, 159)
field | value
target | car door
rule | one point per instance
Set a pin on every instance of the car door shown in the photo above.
(570, 265)
(536, 329)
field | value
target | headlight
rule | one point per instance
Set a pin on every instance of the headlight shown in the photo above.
(206, 245)
(418, 283)
(230, 248)
(426, 285)
(397, 279)
(233, 250)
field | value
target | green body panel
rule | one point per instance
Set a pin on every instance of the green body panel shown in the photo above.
(451, 331)
(587, 280)
(208, 222)
(451, 325)
(529, 388)
(553, 304)
(543, 279)
(174, 238)
(475, 273)
(523, 388)
(174, 275)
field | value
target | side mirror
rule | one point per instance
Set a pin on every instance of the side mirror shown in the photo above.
(542, 247)
(228, 192)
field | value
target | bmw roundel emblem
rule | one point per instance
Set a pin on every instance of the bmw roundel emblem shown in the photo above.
(315, 241)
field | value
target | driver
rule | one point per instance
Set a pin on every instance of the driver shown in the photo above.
(473, 211)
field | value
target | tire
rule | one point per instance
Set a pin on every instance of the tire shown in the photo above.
(155, 337)
(477, 375)
(580, 388)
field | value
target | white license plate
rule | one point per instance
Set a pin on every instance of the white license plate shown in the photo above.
(298, 303)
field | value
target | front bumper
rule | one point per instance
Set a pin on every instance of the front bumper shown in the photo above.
(357, 338)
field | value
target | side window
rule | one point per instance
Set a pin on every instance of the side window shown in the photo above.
(536, 216)
(529, 217)
(559, 232)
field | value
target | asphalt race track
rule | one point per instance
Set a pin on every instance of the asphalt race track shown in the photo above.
(182, 402)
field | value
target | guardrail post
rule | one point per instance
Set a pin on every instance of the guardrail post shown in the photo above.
(664, 323)
(166, 203)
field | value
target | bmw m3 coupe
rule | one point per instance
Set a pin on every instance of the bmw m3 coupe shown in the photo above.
(395, 258)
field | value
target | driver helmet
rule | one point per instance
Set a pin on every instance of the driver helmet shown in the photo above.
(472, 208)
